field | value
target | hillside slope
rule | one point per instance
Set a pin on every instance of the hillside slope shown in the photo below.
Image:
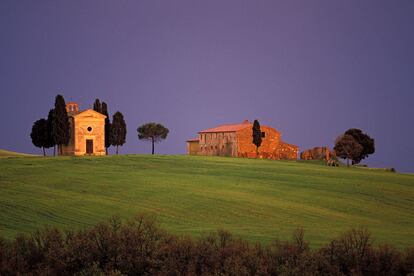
(256, 199)
(7, 153)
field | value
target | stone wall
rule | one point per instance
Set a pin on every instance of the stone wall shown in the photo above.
(288, 151)
(193, 147)
(218, 144)
(317, 153)
(268, 148)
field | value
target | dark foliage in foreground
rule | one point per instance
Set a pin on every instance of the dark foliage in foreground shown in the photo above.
(139, 247)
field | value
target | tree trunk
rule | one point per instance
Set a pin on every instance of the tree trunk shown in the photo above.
(152, 140)
(106, 151)
(117, 150)
(257, 152)
(54, 150)
(44, 153)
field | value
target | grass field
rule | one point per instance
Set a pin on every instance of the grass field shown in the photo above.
(259, 200)
(7, 153)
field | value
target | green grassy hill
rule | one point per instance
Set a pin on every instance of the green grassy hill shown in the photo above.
(255, 199)
(7, 153)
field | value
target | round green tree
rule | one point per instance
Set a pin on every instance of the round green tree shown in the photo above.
(367, 143)
(39, 135)
(346, 147)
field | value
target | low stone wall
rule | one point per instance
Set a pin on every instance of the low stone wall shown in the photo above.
(317, 153)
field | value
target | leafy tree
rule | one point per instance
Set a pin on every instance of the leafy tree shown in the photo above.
(118, 130)
(257, 136)
(346, 147)
(104, 111)
(97, 106)
(60, 127)
(152, 132)
(40, 135)
(367, 143)
(50, 139)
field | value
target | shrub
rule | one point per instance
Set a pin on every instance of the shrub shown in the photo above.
(139, 247)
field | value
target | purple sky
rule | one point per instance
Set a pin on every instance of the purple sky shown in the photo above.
(311, 69)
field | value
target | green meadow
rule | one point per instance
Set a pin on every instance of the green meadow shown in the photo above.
(259, 200)
(7, 153)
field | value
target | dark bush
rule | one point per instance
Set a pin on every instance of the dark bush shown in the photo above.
(140, 247)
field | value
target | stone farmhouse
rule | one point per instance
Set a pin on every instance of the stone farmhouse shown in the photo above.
(87, 132)
(236, 140)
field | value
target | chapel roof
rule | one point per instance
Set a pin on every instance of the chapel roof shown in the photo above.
(74, 114)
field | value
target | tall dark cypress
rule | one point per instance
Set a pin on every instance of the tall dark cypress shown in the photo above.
(60, 128)
(50, 139)
(118, 130)
(257, 136)
(107, 127)
(97, 106)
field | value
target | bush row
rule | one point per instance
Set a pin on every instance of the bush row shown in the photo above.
(140, 247)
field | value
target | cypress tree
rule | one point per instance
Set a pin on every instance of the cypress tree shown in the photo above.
(107, 127)
(40, 135)
(60, 127)
(50, 139)
(257, 136)
(97, 106)
(118, 130)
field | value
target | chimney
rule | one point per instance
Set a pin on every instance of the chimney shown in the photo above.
(72, 107)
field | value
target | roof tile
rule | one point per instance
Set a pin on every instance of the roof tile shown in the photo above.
(228, 127)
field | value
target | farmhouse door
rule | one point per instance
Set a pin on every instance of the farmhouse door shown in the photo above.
(89, 146)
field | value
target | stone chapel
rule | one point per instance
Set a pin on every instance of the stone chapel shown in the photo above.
(87, 132)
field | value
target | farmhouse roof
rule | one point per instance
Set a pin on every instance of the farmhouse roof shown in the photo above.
(228, 127)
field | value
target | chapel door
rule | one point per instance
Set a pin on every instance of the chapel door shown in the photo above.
(89, 146)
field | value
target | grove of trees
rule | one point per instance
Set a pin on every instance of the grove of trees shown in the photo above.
(54, 130)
